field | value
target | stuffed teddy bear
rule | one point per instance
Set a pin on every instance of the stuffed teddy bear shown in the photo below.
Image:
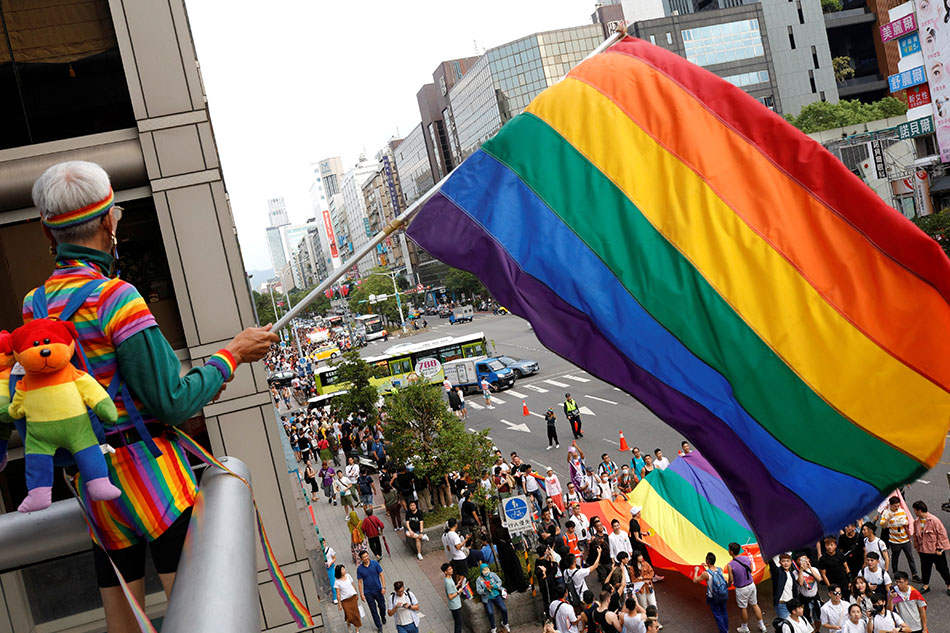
(53, 396)
(7, 361)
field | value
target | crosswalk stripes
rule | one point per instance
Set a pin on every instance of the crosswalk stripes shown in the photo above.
(497, 400)
(556, 383)
(474, 405)
(575, 378)
(517, 394)
(536, 388)
(537, 415)
(601, 399)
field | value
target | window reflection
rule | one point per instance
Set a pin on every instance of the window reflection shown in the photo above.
(721, 43)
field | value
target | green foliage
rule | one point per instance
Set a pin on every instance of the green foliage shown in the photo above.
(361, 395)
(265, 309)
(462, 281)
(842, 68)
(937, 226)
(440, 515)
(320, 305)
(379, 283)
(830, 6)
(421, 429)
(485, 498)
(823, 115)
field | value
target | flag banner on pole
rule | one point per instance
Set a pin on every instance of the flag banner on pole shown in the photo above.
(667, 233)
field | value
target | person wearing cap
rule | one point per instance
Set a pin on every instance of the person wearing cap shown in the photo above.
(636, 538)
(551, 419)
(120, 337)
(552, 486)
(572, 412)
(590, 485)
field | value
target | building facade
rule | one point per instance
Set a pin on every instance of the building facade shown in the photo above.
(134, 103)
(353, 223)
(277, 212)
(331, 173)
(275, 248)
(434, 110)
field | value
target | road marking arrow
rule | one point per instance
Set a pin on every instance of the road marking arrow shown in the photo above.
(586, 411)
(516, 427)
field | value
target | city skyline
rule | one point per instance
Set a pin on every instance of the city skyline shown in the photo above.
(309, 121)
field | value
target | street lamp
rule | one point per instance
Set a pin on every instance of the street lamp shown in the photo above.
(392, 275)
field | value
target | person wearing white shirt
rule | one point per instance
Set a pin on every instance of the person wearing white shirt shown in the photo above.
(796, 617)
(404, 608)
(856, 622)
(619, 540)
(884, 620)
(874, 574)
(352, 469)
(659, 461)
(835, 611)
(577, 575)
(581, 524)
(873, 544)
(562, 612)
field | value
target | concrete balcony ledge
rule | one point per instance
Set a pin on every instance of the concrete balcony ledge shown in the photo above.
(849, 17)
(861, 85)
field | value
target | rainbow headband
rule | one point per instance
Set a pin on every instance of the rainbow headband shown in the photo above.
(78, 216)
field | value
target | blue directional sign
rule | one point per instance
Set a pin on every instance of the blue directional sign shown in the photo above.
(909, 44)
(516, 509)
(517, 514)
(906, 79)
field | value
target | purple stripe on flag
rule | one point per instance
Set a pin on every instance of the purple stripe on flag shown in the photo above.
(696, 470)
(451, 235)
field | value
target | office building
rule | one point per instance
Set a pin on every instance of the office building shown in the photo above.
(354, 223)
(277, 212)
(854, 34)
(292, 236)
(330, 171)
(124, 90)
(434, 109)
(506, 78)
(275, 248)
(733, 43)
(793, 32)
(384, 201)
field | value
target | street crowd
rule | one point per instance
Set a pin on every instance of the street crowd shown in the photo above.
(592, 576)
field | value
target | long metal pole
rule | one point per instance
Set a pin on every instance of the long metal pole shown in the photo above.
(216, 584)
(402, 319)
(400, 222)
(26, 539)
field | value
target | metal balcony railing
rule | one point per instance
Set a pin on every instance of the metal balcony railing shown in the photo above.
(216, 585)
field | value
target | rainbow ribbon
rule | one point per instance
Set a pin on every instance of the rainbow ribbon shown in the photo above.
(81, 215)
(294, 605)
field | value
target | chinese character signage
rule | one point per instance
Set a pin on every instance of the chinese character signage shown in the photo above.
(328, 225)
(935, 45)
(906, 79)
(909, 44)
(880, 169)
(917, 127)
(918, 96)
(898, 28)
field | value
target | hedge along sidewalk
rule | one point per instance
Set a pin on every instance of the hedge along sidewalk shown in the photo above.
(423, 578)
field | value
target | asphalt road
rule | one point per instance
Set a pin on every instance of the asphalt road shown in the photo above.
(606, 411)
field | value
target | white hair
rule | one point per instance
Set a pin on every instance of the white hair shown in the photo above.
(68, 186)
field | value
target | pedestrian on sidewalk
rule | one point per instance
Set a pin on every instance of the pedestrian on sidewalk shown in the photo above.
(343, 486)
(717, 591)
(414, 526)
(551, 419)
(456, 547)
(367, 487)
(348, 596)
(931, 543)
(329, 556)
(310, 477)
(493, 596)
(372, 583)
(357, 538)
(326, 476)
(391, 500)
(373, 528)
(453, 591)
(404, 608)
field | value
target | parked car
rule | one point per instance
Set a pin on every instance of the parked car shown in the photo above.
(521, 368)
(444, 312)
(281, 378)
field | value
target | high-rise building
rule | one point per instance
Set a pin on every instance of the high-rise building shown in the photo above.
(433, 99)
(275, 248)
(506, 78)
(118, 83)
(854, 35)
(384, 201)
(798, 58)
(293, 235)
(355, 223)
(277, 212)
(331, 173)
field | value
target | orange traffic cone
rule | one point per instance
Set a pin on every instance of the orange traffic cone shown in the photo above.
(524, 406)
(623, 443)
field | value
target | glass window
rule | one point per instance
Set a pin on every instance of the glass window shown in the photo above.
(720, 43)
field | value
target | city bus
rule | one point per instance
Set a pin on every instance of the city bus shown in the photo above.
(333, 320)
(396, 366)
(372, 327)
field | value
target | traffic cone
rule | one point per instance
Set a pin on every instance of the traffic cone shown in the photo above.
(623, 443)
(524, 405)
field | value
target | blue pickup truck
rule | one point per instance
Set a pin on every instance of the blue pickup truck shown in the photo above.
(467, 373)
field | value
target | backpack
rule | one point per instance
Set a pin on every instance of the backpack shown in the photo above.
(572, 596)
(718, 587)
(116, 388)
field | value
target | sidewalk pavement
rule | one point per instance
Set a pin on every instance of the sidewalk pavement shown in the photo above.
(423, 577)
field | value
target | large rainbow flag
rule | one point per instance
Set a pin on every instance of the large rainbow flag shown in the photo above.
(688, 512)
(670, 235)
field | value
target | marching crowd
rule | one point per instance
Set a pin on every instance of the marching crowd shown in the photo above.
(593, 577)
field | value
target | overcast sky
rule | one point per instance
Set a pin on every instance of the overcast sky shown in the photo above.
(290, 82)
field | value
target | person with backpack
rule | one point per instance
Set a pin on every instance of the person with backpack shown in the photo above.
(883, 620)
(717, 590)
(795, 622)
(739, 573)
(125, 349)
(404, 608)
(575, 576)
(561, 611)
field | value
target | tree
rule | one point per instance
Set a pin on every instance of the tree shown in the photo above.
(842, 68)
(937, 226)
(360, 395)
(378, 283)
(265, 310)
(823, 115)
(830, 6)
(463, 282)
(422, 430)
